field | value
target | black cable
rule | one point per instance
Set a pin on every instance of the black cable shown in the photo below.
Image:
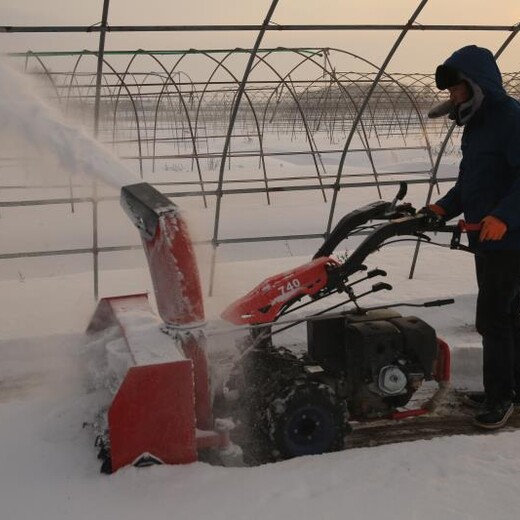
(439, 244)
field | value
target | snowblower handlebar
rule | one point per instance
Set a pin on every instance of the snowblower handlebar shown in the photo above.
(379, 210)
(325, 275)
(414, 226)
(349, 223)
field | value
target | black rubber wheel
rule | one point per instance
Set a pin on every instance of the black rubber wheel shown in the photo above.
(306, 420)
(398, 401)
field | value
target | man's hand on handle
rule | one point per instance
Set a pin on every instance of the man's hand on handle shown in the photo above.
(492, 229)
(436, 209)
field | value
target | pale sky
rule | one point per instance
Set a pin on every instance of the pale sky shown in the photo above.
(420, 51)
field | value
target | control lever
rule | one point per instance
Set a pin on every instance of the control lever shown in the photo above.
(463, 226)
(381, 286)
(375, 272)
(439, 303)
(433, 303)
(401, 194)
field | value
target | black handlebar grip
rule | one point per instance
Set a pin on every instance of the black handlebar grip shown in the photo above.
(381, 286)
(439, 303)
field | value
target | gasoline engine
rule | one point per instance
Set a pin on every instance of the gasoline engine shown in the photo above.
(357, 367)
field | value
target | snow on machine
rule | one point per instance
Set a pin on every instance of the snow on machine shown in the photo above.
(360, 364)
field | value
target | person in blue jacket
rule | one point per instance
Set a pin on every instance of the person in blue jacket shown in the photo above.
(487, 191)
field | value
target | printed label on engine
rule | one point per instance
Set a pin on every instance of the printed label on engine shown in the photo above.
(290, 286)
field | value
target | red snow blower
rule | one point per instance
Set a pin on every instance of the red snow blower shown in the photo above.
(360, 364)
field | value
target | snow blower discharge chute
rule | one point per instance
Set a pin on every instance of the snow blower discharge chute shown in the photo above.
(360, 364)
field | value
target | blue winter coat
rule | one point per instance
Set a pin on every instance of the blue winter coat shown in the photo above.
(489, 176)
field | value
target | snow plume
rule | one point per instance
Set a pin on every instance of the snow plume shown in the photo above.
(24, 115)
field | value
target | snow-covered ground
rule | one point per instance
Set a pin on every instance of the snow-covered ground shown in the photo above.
(48, 464)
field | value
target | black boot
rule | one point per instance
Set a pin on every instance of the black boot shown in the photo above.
(494, 416)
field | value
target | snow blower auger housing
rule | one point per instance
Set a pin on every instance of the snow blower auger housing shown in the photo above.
(359, 365)
(161, 411)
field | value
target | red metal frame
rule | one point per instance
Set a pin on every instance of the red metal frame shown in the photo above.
(443, 365)
(264, 303)
(153, 413)
(442, 374)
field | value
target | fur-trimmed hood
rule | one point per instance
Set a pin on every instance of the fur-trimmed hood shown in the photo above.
(479, 65)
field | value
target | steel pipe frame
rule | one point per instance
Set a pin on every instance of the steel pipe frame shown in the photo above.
(404, 29)
(313, 82)
(121, 82)
(380, 73)
(169, 78)
(411, 98)
(254, 28)
(109, 249)
(308, 133)
(134, 106)
(220, 64)
(227, 142)
(364, 137)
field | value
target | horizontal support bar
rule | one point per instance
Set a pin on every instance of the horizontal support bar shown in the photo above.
(236, 191)
(258, 153)
(241, 240)
(249, 27)
(45, 202)
(63, 252)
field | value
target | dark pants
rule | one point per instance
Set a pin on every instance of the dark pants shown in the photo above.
(498, 321)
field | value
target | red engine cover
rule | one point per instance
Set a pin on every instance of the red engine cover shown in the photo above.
(266, 300)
